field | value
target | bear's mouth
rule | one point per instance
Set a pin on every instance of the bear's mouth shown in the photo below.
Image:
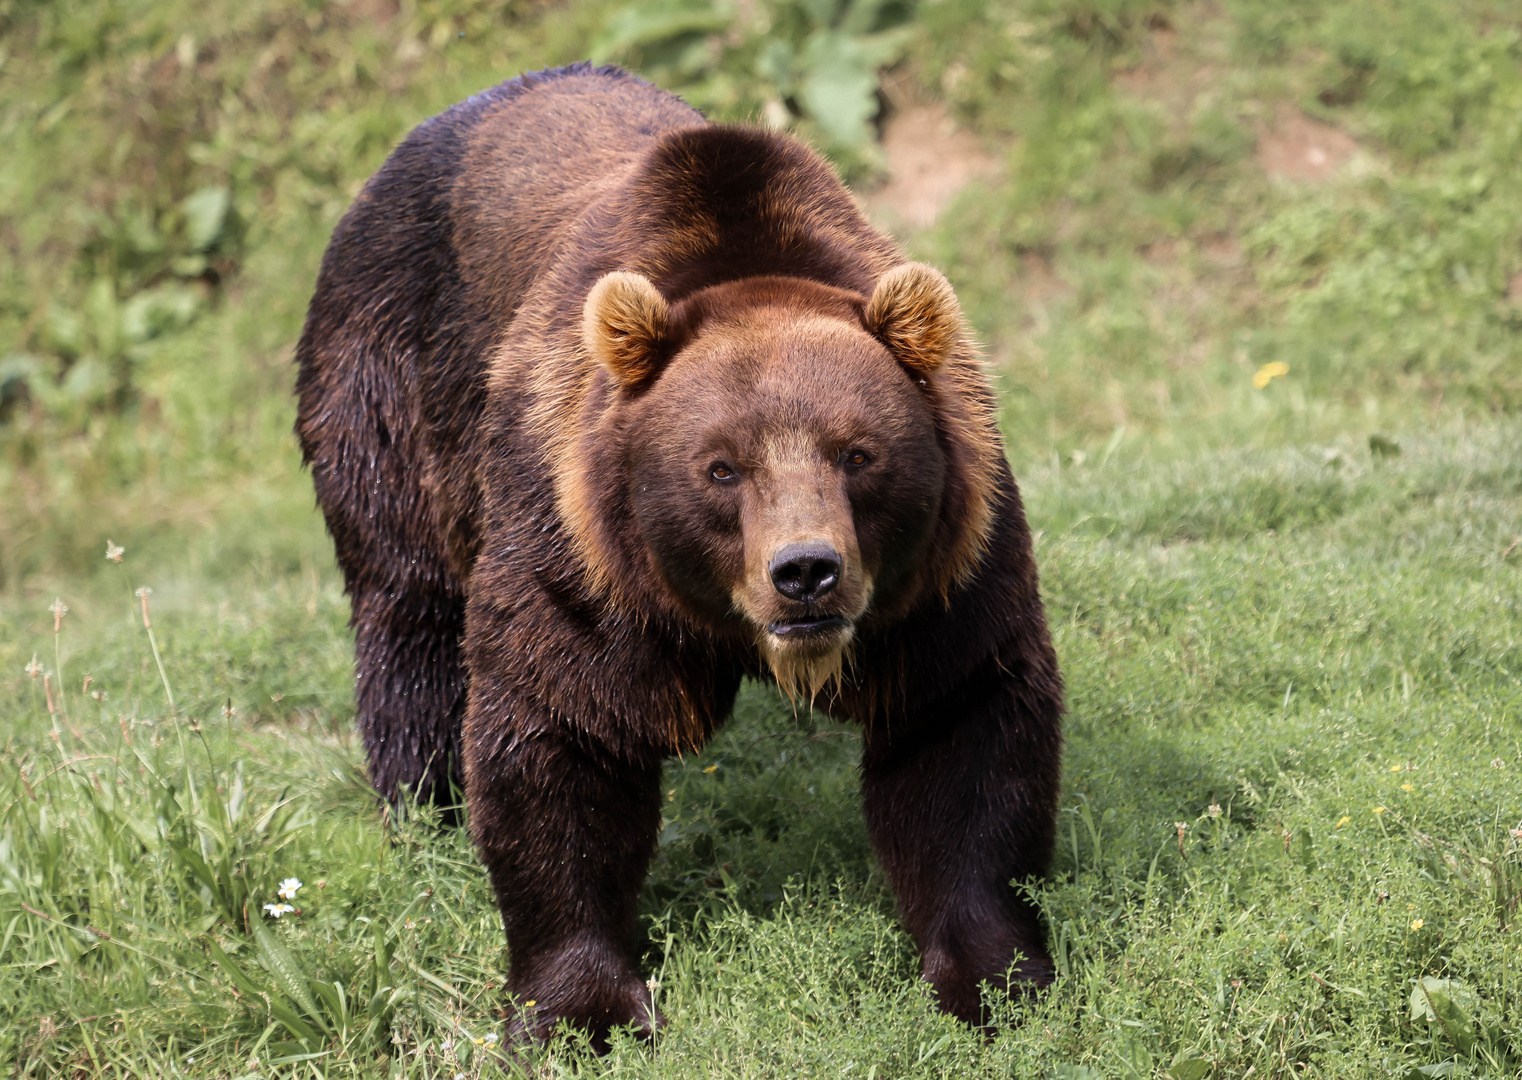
(809, 626)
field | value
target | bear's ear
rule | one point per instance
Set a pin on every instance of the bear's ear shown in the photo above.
(915, 313)
(624, 325)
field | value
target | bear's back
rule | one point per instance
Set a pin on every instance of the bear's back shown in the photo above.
(536, 158)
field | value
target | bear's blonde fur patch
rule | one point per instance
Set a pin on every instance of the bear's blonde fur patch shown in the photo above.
(915, 312)
(802, 677)
(624, 325)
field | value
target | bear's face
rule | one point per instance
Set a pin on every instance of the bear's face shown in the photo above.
(779, 459)
(786, 469)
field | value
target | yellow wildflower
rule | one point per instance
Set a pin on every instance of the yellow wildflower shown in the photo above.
(1417, 924)
(1269, 372)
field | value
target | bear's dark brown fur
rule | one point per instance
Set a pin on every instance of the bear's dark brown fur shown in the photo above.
(609, 407)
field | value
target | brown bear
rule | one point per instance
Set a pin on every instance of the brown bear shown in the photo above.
(609, 407)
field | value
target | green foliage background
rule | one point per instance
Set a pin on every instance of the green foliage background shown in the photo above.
(1289, 614)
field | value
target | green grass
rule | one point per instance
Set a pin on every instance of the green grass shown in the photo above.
(1279, 610)
(1295, 669)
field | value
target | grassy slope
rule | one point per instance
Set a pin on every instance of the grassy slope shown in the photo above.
(1253, 612)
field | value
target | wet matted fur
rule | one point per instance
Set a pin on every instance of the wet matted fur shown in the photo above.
(581, 371)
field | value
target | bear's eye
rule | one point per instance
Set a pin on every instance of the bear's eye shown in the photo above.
(722, 473)
(855, 458)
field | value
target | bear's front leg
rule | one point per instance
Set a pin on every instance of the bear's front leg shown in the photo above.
(960, 799)
(566, 829)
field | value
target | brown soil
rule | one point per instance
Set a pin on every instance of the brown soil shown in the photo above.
(1157, 75)
(1175, 74)
(379, 12)
(930, 159)
(1295, 147)
(1038, 283)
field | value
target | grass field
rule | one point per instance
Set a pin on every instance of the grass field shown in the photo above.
(1288, 602)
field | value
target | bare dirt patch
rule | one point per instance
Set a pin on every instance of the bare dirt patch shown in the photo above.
(930, 159)
(1223, 251)
(1038, 283)
(1177, 71)
(379, 12)
(1296, 147)
(1157, 75)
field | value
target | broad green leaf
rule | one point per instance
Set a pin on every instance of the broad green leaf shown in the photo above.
(288, 974)
(1135, 1059)
(233, 971)
(140, 234)
(1447, 1006)
(64, 331)
(822, 11)
(195, 864)
(298, 1027)
(839, 88)
(188, 266)
(774, 63)
(649, 23)
(158, 311)
(103, 315)
(88, 380)
(863, 16)
(1305, 851)
(205, 213)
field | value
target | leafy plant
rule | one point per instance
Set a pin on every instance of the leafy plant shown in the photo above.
(813, 65)
(1448, 1009)
(355, 1018)
(227, 854)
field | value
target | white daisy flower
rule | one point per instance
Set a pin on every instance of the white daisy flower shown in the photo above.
(288, 888)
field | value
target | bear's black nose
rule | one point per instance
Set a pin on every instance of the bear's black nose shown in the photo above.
(805, 571)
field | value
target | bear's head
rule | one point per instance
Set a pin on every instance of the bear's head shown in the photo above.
(782, 459)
